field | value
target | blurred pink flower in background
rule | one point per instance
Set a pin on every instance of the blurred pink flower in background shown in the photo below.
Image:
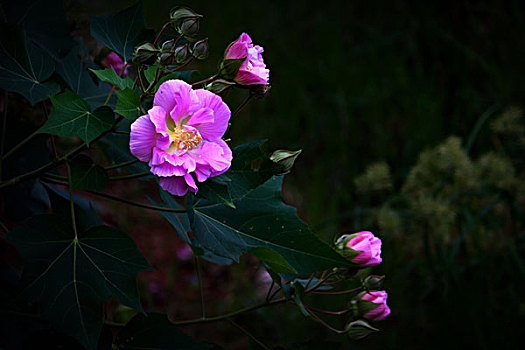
(114, 61)
(362, 248)
(252, 70)
(180, 137)
(381, 310)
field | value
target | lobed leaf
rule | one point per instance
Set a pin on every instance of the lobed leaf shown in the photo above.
(73, 278)
(71, 116)
(261, 219)
(109, 75)
(85, 175)
(128, 104)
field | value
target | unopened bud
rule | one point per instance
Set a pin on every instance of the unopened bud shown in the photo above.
(220, 85)
(260, 90)
(189, 27)
(181, 53)
(359, 329)
(168, 45)
(200, 49)
(374, 282)
(285, 158)
(180, 13)
(145, 54)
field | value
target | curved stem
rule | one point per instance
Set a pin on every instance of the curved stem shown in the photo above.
(4, 227)
(20, 144)
(199, 275)
(323, 322)
(131, 176)
(183, 65)
(51, 137)
(251, 336)
(205, 80)
(110, 93)
(164, 27)
(342, 312)
(337, 293)
(242, 105)
(120, 165)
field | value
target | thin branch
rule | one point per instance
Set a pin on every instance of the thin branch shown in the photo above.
(164, 27)
(342, 312)
(130, 176)
(205, 80)
(269, 291)
(199, 275)
(4, 227)
(337, 293)
(120, 132)
(51, 137)
(4, 126)
(110, 93)
(242, 105)
(251, 336)
(20, 144)
(121, 165)
(136, 204)
(71, 202)
(323, 322)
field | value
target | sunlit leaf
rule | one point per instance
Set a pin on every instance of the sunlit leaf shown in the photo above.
(71, 116)
(71, 278)
(109, 75)
(261, 219)
(128, 104)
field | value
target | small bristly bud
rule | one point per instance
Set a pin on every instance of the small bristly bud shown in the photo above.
(180, 13)
(185, 21)
(145, 54)
(200, 49)
(189, 27)
(285, 158)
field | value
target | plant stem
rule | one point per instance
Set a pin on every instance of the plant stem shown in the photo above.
(228, 315)
(269, 291)
(199, 276)
(251, 336)
(110, 93)
(4, 124)
(205, 80)
(51, 137)
(71, 202)
(337, 293)
(120, 132)
(20, 144)
(183, 65)
(131, 176)
(342, 312)
(136, 204)
(323, 322)
(242, 105)
(164, 27)
(3, 226)
(120, 165)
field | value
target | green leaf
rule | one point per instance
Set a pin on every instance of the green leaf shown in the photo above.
(184, 75)
(215, 192)
(72, 279)
(261, 220)
(109, 75)
(128, 104)
(71, 116)
(299, 297)
(85, 175)
(155, 332)
(228, 69)
(120, 32)
(271, 258)
(250, 168)
(24, 67)
(73, 69)
(359, 329)
(150, 73)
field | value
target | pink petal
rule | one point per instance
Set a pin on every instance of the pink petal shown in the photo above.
(166, 170)
(174, 185)
(158, 117)
(202, 116)
(211, 154)
(142, 138)
(191, 183)
(221, 115)
(251, 77)
(177, 97)
(237, 50)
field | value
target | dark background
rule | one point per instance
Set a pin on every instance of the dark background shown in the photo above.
(357, 82)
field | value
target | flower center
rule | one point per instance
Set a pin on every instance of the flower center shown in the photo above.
(184, 140)
(249, 66)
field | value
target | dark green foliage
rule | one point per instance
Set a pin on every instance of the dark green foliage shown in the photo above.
(155, 332)
(110, 76)
(261, 219)
(85, 175)
(128, 104)
(72, 116)
(73, 278)
(120, 32)
(24, 67)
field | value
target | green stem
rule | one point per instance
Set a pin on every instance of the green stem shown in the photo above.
(242, 105)
(120, 165)
(205, 80)
(251, 336)
(51, 137)
(136, 204)
(20, 144)
(131, 176)
(3, 226)
(323, 322)
(71, 202)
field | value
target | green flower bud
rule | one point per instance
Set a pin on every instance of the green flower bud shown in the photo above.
(189, 27)
(181, 53)
(359, 329)
(373, 282)
(180, 13)
(200, 49)
(145, 54)
(220, 85)
(285, 158)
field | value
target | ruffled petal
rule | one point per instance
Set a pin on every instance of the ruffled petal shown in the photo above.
(174, 185)
(221, 115)
(158, 115)
(191, 183)
(177, 97)
(201, 117)
(237, 50)
(253, 77)
(211, 154)
(142, 138)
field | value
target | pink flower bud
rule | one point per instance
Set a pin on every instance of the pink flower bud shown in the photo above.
(252, 70)
(380, 310)
(114, 61)
(362, 248)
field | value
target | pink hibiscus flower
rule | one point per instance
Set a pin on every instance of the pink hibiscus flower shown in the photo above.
(180, 136)
(114, 61)
(252, 70)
